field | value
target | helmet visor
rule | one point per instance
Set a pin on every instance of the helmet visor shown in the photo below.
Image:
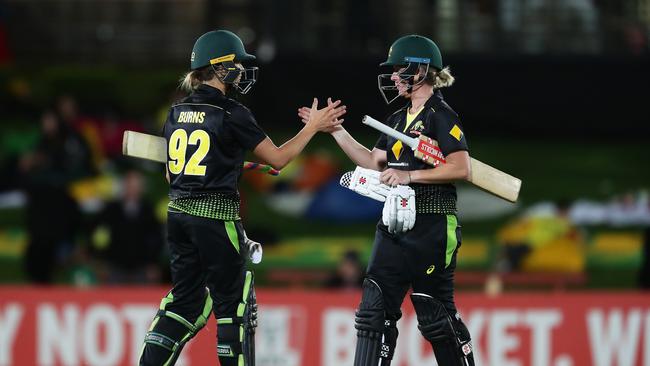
(248, 77)
(240, 77)
(400, 81)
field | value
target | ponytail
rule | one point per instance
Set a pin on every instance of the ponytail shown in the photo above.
(440, 79)
(194, 78)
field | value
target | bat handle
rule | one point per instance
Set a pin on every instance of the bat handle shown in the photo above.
(262, 168)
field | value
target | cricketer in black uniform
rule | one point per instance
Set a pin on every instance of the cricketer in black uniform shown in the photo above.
(207, 135)
(423, 258)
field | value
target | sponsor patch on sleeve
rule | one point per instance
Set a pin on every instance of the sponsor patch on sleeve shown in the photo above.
(456, 132)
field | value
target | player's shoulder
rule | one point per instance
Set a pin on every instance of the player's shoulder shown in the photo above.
(235, 107)
(396, 115)
(237, 111)
(438, 108)
(194, 101)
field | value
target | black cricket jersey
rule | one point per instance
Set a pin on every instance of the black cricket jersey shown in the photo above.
(207, 136)
(438, 121)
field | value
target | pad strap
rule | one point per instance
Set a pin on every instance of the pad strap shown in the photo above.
(161, 340)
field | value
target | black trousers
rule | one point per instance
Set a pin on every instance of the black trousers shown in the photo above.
(423, 258)
(205, 252)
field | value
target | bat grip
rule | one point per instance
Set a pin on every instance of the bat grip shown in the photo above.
(410, 141)
(262, 168)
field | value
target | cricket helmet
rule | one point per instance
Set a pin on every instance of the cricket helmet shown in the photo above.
(407, 54)
(225, 48)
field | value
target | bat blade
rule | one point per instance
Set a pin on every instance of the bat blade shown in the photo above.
(144, 146)
(494, 181)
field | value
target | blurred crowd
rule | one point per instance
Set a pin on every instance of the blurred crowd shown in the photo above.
(91, 215)
(476, 26)
(564, 237)
(85, 208)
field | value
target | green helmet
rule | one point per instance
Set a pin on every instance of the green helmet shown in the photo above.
(409, 54)
(216, 47)
(414, 48)
(225, 48)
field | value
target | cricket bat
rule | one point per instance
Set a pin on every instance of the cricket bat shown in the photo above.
(154, 148)
(489, 179)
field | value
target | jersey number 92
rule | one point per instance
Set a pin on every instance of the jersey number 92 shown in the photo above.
(177, 149)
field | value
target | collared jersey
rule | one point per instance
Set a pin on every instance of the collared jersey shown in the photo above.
(207, 136)
(435, 120)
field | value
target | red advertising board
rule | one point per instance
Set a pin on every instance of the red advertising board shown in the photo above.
(105, 326)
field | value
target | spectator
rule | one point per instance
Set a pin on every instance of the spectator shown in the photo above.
(52, 215)
(349, 273)
(127, 238)
(85, 127)
(544, 242)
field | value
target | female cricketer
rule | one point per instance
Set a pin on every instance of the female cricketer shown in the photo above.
(207, 135)
(422, 256)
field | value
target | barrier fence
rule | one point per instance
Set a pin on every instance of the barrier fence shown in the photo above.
(105, 326)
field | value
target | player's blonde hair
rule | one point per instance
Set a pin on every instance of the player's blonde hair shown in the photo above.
(190, 81)
(440, 79)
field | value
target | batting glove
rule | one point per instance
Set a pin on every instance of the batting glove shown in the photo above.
(399, 209)
(254, 250)
(366, 183)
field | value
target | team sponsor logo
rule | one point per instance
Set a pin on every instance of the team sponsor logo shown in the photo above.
(397, 149)
(398, 164)
(456, 132)
(417, 128)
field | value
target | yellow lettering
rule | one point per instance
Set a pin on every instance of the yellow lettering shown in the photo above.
(191, 117)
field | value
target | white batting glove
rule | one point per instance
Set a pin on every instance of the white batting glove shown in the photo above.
(399, 209)
(254, 250)
(366, 183)
(388, 214)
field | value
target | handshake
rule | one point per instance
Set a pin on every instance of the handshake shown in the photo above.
(399, 201)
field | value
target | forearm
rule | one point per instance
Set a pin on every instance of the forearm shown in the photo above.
(290, 149)
(358, 153)
(444, 173)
